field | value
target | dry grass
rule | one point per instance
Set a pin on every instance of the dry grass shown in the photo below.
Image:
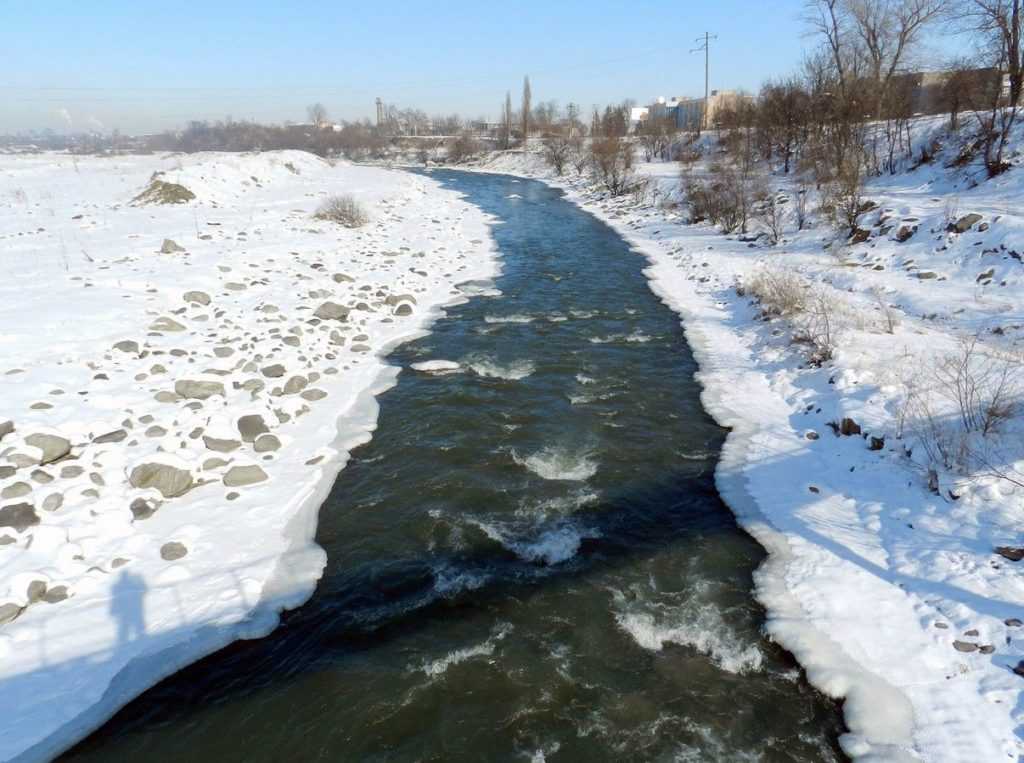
(344, 210)
(161, 192)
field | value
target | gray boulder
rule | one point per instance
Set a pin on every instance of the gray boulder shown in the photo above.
(171, 247)
(19, 516)
(52, 446)
(251, 427)
(172, 551)
(965, 223)
(331, 311)
(240, 476)
(171, 481)
(198, 390)
(197, 297)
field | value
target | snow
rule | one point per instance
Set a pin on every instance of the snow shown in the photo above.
(82, 271)
(870, 576)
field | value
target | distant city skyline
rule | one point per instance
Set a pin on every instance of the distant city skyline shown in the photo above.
(99, 66)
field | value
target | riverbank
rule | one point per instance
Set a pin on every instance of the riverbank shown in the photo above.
(182, 383)
(889, 595)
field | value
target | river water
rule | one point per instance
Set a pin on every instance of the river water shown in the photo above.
(529, 561)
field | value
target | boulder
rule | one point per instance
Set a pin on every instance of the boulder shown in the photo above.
(266, 443)
(163, 323)
(251, 427)
(905, 232)
(240, 476)
(860, 235)
(6, 428)
(116, 436)
(295, 385)
(19, 516)
(53, 446)
(171, 481)
(274, 371)
(173, 550)
(9, 613)
(964, 224)
(197, 297)
(219, 445)
(197, 389)
(127, 345)
(331, 311)
(403, 309)
(171, 247)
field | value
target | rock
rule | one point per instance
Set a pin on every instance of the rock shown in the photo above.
(36, 591)
(127, 345)
(6, 428)
(116, 436)
(197, 297)
(295, 385)
(331, 311)
(404, 309)
(342, 278)
(275, 371)
(986, 649)
(19, 516)
(219, 445)
(266, 443)
(53, 501)
(313, 395)
(927, 275)
(905, 232)
(171, 481)
(240, 476)
(1013, 622)
(1011, 553)
(9, 613)
(1019, 669)
(173, 550)
(812, 435)
(860, 235)
(163, 323)
(848, 427)
(53, 446)
(55, 594)
(16, 490)
(965, 646)
(171, 247)
(251, 427)
(964, 224)
(198, 390)
(876, 443)
(7, 471)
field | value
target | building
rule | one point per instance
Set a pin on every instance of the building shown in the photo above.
(688, 113)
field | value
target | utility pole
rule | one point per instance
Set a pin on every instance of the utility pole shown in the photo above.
(706, 47)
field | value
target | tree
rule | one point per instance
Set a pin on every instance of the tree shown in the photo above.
(525, 115)
(505, 128)
(611, 158)
(655, 136)
(317, 114)
(1000, 25)
(557, 152)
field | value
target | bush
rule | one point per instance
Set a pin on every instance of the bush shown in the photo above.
(464, 147)
(344, 210)
(557, 152)
(611, 159)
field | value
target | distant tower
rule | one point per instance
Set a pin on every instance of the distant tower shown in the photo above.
(380, 112)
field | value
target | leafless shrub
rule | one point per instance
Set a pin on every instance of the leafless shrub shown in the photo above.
(464, 147)
(890, 316)
(772, 214)
(579, 156)
(557, 152)
(950, 211)
(961, 409)
(801, 205)
(843, 200)
(727, 196)
(611, 159)
(344, 210)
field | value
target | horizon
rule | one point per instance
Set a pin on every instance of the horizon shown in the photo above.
(66, 77)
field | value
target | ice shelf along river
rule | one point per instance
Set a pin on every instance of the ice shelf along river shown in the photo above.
(529, 560)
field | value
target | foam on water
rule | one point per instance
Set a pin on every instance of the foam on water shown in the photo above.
(559, 463)
(516, 318)
(513, 371)
(551, 546)
(486, 648)
(698, 626)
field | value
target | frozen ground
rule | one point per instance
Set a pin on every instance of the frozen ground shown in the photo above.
(170, 421)
(882, 577)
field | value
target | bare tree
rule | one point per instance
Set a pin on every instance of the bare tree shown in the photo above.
(525, 115)
(611, 158)
(1000, 26)
(317, 114)
(557, 152)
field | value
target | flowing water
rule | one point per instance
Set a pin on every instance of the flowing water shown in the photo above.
(529, 561)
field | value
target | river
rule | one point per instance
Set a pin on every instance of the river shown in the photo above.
(529, 561)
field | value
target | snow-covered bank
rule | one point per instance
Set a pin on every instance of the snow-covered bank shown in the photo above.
(888, 594)
(179, 409)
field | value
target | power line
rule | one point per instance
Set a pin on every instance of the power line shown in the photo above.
(706, 47)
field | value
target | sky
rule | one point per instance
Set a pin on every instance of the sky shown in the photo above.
(148, 66)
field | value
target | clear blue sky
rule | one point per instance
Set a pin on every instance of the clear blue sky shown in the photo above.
(143, 66)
